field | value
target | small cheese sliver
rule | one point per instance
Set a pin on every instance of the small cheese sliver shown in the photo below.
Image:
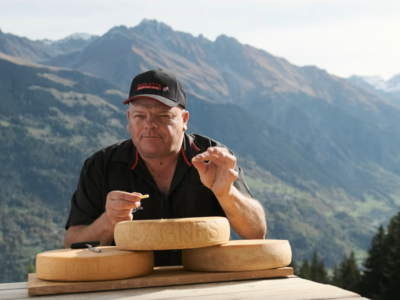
(86, 265)
(242, 255)
(170, 234)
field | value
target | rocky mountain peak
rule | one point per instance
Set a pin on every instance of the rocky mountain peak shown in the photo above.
(121, 30)
(153, 26)
(377, 82)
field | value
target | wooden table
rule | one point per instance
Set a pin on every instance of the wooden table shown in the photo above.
(291, 288)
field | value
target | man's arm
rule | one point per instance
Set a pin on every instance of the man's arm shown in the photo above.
(245, 215)
(119, 208)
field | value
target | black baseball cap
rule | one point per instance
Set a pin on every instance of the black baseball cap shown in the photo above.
(158, 85)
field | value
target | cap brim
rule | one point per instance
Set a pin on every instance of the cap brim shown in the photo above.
(161, 99)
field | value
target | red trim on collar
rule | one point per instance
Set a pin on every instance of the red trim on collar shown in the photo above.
(197, 149)
(136, 162)
(184, 156)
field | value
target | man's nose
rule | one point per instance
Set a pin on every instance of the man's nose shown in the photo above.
(151, 122)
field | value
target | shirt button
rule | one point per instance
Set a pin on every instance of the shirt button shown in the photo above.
(174, 250)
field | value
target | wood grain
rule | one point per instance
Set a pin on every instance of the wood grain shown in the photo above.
(162, 276)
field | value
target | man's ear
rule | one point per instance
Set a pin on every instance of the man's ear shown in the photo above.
(127, 115)
(185, 120)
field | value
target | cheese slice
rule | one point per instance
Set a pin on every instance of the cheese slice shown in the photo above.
(169, 234)
(242, 255)
(86, 265)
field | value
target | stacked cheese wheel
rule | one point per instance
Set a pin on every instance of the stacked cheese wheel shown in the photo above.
(205, 243)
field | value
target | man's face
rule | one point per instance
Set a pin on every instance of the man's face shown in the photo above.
(156, 129)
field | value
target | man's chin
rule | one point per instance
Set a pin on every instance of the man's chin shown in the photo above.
(151, 151)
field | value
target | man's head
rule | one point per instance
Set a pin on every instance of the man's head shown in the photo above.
(156, 114)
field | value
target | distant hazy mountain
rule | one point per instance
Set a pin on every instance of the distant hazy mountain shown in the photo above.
(72, 43)
(42, 49)
(389, 90)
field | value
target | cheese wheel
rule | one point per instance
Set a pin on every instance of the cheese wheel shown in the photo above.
(242, 255)
(86, 265)
(170, 234)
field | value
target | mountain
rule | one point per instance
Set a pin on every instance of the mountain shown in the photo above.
(352, 133)
(391, 85)
(72, 43)
(319, 152)
(36, 51)
(389, 90)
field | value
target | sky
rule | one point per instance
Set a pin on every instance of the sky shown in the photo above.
(360, 37)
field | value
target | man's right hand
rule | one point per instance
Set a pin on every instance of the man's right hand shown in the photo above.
(119, 206)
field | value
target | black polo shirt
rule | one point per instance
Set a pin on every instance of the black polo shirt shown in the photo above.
(119, 167)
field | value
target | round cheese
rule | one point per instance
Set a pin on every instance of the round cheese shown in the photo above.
(242, 255)
(86, 265)
(170, 234)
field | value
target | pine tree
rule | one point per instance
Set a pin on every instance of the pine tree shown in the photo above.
(336, 277)
(305, 270)
(392, 262)
(349, 273)
(318, 271)
(31, 269)
(373, 280)
(295, 267)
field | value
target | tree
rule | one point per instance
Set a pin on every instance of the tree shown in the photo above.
(349, 273)
(336, 277)
(391, 267)
(373, 280)
(305, 270)
(295, 267)
(31, 268)
(318, 271)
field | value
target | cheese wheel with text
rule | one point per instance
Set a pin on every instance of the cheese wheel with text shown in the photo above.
(170, 234)
(86, 265)
(241, 255)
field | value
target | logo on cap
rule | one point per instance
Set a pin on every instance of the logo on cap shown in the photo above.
(150, 85)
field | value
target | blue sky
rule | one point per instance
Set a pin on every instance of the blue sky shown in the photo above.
(342, 37)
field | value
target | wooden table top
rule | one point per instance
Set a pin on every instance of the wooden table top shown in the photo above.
(291, 288)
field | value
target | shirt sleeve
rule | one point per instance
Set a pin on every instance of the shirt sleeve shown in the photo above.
(87, 203)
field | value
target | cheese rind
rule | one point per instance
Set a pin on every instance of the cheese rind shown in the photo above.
(170, 234)
(242, 255)
(86, 265)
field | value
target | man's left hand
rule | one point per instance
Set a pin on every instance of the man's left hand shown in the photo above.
(216, 168)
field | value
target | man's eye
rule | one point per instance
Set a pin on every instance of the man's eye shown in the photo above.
(164, 116)
(138, 116)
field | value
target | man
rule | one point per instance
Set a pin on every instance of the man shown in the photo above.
(185, 175)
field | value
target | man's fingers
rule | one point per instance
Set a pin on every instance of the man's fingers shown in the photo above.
(217, 155)
(123, 205)
(119, 195)
(200, 165)
(120, 213)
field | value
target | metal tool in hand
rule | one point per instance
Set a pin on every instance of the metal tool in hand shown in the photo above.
(90, 245)
(140, 207)
(91, 248)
